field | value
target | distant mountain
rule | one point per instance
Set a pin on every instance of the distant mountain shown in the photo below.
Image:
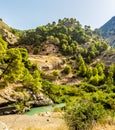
(108, 31)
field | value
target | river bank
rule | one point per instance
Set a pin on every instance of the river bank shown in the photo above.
(34, 122)
(43, 122)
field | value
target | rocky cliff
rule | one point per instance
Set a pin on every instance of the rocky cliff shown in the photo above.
(108, 31)
(6, 34)
(22, 100)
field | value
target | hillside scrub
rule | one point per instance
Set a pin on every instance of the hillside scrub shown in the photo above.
(68, 35)
(83, 115)
(88, 100)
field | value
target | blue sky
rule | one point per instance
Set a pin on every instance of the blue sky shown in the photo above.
(27, 14)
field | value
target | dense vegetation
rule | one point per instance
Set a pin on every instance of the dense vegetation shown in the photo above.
(15, 66)
(68, 35)
(87, 101)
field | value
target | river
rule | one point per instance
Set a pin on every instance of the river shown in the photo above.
(49, 108)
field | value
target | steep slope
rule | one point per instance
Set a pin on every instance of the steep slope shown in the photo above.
(6, 33)
(108, 31)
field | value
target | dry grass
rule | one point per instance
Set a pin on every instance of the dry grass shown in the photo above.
(104, 127)
(45, 60)
(4, 25)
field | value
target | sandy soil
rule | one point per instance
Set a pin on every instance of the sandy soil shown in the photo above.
(22, 122)
(41, 122)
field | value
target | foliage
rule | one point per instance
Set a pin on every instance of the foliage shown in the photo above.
(68, 35)
(35, 51)
(87, 87)
(60, 93)
(13, 65)
(3, 47)
(66, 70)
(81, 66)
(0, 19)
(88, 99)
(56, 73)
(82, 115)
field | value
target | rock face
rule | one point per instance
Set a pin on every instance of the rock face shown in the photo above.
(29, 98)
(108, 31)
(108, 28)
(41, 100)
(7, 35)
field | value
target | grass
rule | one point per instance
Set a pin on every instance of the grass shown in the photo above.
(104, 127)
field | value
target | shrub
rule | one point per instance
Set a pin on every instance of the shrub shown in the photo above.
(82, 115)
(56, 73)
(67, 70)
(35, 51)
(88, 87)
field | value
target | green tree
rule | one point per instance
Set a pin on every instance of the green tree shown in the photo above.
(82, 69)
(82, 115)
(3, 49)
(13, 67)
(89, 72)
(111, 74)
(66, 70)
(32, 81)
(94, 80)
(95, 71)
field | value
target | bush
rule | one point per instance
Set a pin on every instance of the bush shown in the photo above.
(35, 51)
(1, 19)
(56, 73)
(67, 70)
(82, 115)
(87, 87)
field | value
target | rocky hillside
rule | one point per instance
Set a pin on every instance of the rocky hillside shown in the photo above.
(62, 62)
(108, 31)
(6, 33)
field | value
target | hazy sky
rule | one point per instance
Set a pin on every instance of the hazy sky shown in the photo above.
(27, 14)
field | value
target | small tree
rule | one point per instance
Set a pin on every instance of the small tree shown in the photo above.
(35, 51)
(67, 70)
(1, 19)
(56, 73)
(81, 66)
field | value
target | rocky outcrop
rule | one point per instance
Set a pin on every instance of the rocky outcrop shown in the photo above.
(108, 31)
(3, 102)
(7, 35)
(41, 100)
(26, 96)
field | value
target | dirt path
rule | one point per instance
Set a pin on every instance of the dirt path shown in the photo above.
(39, 122)
(23, 122)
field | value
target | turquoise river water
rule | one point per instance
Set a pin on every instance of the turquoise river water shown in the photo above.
(49, 108)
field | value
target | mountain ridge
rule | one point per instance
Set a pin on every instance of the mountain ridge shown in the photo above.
(108, 31)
